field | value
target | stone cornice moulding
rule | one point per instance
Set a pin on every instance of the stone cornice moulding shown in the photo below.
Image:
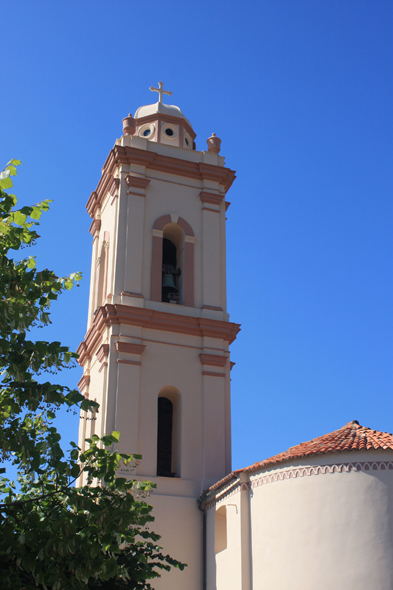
(297, 472)
(102, 352)
(137, 181)
(95, 227)
(130, 347)
(117, 314)
(212, 198)
(83, 382)
(114, 186)
(126, 155)
(213, 360)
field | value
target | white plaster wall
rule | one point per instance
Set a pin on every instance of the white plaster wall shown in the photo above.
(328, 531)
(224, 568)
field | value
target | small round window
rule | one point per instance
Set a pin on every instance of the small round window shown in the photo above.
(170, 131)
(186, 140)
(146, 131)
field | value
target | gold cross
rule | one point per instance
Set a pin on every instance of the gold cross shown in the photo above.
(160, 90)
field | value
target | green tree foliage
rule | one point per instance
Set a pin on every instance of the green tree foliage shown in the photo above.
(53, 535)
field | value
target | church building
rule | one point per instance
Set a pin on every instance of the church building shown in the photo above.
(156, 358)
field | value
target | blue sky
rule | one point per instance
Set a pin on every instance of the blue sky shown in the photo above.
(300, 92)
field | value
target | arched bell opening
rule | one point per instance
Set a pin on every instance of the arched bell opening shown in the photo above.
(168, 433)
(172, 263)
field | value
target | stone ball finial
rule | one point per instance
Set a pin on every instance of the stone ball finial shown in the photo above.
(129, 125)
(214, 144)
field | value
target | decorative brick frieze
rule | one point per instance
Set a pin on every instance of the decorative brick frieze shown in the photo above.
(298, 472)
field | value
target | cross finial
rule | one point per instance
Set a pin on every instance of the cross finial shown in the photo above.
(160, 91)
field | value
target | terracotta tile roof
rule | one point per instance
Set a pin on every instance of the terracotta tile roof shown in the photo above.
(351, 437)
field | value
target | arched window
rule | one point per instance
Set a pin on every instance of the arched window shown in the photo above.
(164, 437)
(168, 433)
(172, 268)
(220, 529)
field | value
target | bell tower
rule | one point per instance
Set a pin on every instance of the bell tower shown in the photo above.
(156, 352)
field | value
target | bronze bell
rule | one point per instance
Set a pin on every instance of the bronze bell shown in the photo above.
(169, 290)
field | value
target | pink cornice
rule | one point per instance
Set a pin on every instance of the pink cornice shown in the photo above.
(213, 307)
(117, 314)
(137, 181)
(213, 359)
(102, 352)
(83, 382)
(114, 186)
(95, 227)
(212, 198)
(130, 347)
(129, 155)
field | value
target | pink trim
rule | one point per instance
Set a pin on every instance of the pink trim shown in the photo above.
(123, 362)
(213, 307)
(102, 366)
(114, 186)
(161, 222)
(130, 347)
(83, 382)
(102, 352)
(131, 294)
(137, 181)
(189, 274)
(156, 269)
(212, 198)
(213, 359)
(130, 155)
(95, 227)
(153, 320)
(185, 226)
(212, 374)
